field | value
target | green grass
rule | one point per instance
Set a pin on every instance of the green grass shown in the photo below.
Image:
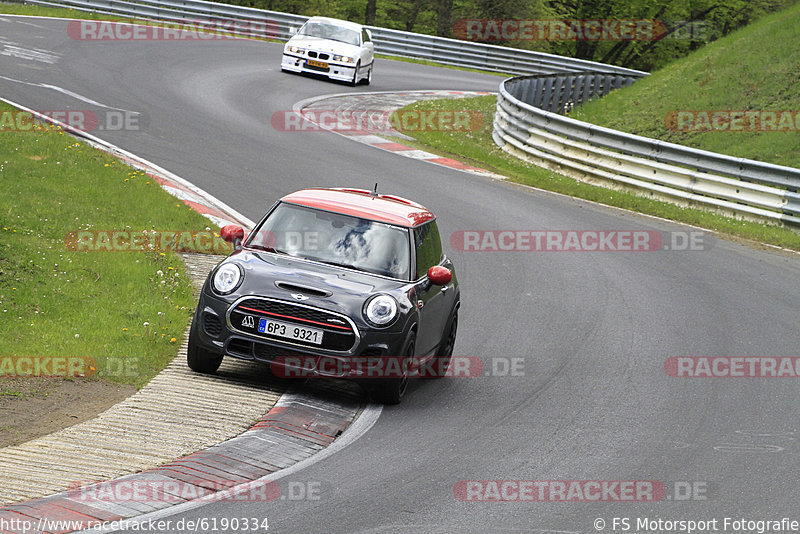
(476, 147)
(58, 12)
(436, 64)
(755, 68)
(125, 311)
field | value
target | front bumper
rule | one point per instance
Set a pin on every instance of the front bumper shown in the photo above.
(212, 331)
(335, 71)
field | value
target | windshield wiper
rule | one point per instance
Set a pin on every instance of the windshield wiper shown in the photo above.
(266, 249)
(340, 264)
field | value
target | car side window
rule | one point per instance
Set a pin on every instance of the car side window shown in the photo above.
(429, 247)
(365, 36)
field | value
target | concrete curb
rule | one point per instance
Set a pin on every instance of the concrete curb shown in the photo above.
(388, 102)
(148, 428)
(177, 413)
(297, 427)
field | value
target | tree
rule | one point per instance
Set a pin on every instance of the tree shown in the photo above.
(372, 9)
(444, 18)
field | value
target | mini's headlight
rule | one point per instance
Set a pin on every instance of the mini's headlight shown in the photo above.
(380, 310)
(343, 59)
(227, 278)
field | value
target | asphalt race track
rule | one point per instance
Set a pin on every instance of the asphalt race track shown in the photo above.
(594, 329)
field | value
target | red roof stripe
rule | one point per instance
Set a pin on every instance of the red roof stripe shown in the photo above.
(361, 203)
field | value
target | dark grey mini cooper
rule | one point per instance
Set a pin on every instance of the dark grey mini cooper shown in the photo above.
(340, 283)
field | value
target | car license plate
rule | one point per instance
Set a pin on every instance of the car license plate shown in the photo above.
(290, 331)
(315, 63)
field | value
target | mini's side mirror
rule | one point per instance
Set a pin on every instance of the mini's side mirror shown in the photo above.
(439, 275)
(232, 233)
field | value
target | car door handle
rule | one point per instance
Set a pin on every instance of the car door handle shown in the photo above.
(445, 288)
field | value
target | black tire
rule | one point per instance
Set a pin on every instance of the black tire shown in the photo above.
(391, 390)
(444, 356)
(368, 79)
(201, 360)
(354, 81)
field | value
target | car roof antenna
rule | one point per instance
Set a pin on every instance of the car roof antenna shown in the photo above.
(375, 191)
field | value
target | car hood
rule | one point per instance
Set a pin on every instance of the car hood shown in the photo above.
(323, 45)
(287, 278)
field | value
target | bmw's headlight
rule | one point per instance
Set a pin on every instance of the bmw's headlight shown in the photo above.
(380, 310)
(296, 49)
(227, 278)
(343, 59)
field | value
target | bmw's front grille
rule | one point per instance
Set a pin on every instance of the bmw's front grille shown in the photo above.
(338, 332)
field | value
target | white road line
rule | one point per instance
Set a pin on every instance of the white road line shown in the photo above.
(44, 56)
(66, 92)
(357, 428)
(29, 24)
(211, 200)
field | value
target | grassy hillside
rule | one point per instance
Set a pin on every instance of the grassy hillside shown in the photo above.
(755, 69)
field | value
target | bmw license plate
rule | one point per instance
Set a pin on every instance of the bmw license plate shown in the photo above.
(290, 331)
(315, 63)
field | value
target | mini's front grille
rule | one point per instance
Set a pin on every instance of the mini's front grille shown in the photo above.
(212, 325)
(337, 332)
(240, 347)
(268, 353)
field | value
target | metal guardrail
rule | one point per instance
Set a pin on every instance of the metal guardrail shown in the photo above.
(525, 123)
(736, 186)
(559, 93)
(272, 24)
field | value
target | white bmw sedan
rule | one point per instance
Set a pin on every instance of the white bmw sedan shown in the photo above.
(335, 48)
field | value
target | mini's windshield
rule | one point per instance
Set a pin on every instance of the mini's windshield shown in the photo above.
(332, 32)
(335, 239)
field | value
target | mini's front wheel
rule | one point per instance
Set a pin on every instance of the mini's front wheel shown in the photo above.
(201, 360)
(391, 390)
